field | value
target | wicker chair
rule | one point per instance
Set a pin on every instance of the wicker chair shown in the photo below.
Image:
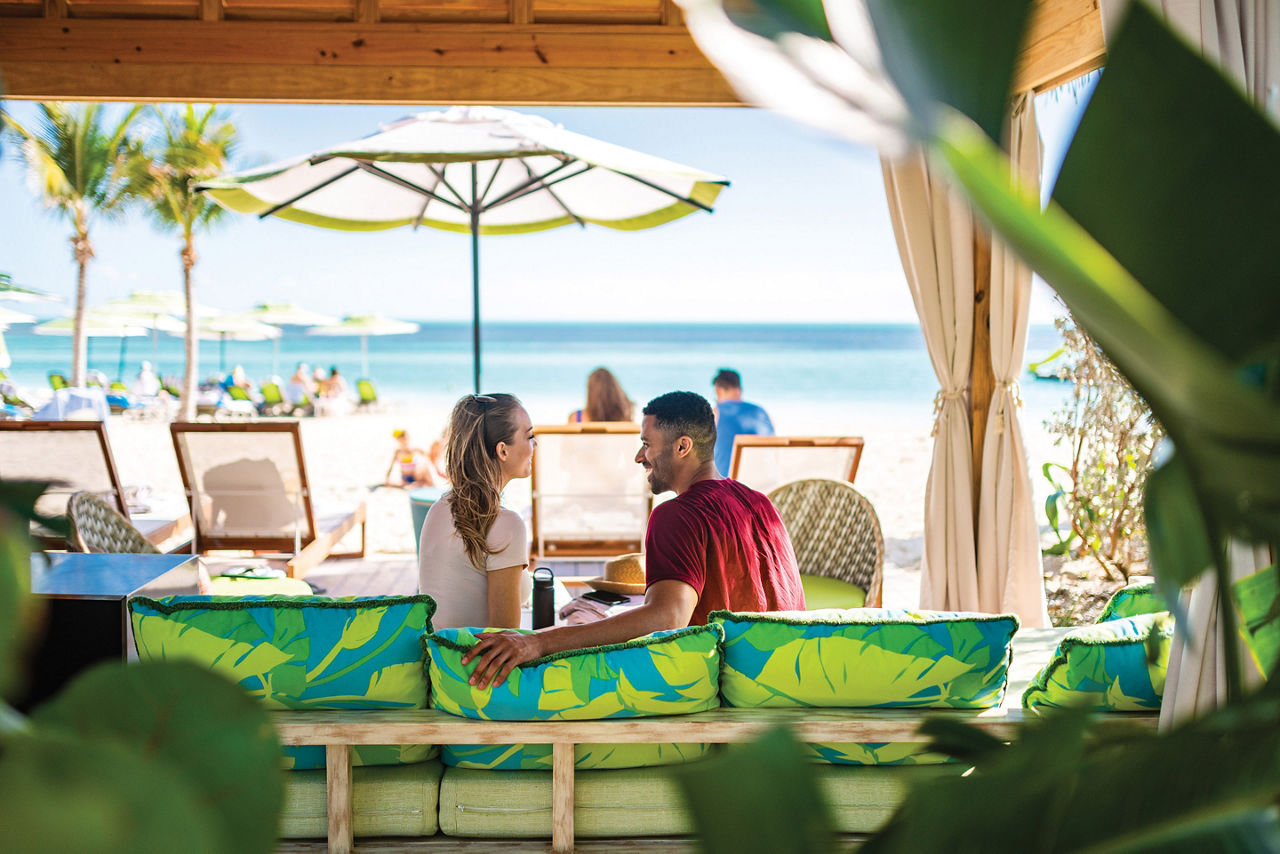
(835, 532)
(97, 527)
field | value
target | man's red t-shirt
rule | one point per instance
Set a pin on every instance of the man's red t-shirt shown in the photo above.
(726, 541)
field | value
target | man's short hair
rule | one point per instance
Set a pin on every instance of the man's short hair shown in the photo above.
(727, 379)
(685, 413)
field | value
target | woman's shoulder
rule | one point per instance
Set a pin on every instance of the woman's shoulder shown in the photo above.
(508, 520)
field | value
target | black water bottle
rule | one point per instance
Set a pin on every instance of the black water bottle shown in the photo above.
(544, 598)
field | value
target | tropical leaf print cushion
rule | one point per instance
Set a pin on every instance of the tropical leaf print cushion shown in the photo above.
(1139, 597)
(865, 657)
(1119, 665)
(665, 673)
(296, 652)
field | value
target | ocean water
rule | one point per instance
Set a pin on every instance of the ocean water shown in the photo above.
(808, 369)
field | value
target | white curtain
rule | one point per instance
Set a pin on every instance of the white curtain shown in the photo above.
(1010, 569)
(934, 229)
(1243, 38)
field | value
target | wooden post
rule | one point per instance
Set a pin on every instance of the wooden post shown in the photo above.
(982, 380)
(561, 798)
(337, 759)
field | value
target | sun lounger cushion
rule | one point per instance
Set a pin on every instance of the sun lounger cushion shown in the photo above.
(1119, 666)
(301, 652)
(666, 673)
(1139, 597)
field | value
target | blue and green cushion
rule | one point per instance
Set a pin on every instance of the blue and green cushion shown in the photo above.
(866, 657)
(301, 652)
(1119, 665)
(1135, 598)
(665, 673)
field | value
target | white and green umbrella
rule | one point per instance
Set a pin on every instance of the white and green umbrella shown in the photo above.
(97, 324)
(475, 170)
(8, 316)
(286, 314)
(365, 325)
(15, 293)
(234, 327)
(156, 310)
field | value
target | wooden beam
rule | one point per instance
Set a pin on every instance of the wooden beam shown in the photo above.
(982, 380)
(521, 11)
(55, 8)
(211, 10)
(367, 11)
(1064, 41)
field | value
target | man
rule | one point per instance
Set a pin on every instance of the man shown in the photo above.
(717, 544)
(734, 416)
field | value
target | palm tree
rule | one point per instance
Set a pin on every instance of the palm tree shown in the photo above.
(188, 146)
(76, 164)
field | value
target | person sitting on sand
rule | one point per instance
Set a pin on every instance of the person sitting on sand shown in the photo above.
(735, 417)
(473, 552)
(606, 401)
(411, 466)
(717, 544)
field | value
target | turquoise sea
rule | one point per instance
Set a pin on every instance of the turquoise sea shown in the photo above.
(789, 367)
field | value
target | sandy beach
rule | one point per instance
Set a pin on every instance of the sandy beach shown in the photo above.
(347, 459)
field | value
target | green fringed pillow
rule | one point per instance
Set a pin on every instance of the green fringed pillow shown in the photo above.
(665, 673)
(865, 657)
(301, 652)
(1139, 597)
(1116, 666)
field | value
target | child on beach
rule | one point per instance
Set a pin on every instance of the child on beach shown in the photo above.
(416, 467)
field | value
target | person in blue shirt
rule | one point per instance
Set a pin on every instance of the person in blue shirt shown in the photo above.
(734, 416)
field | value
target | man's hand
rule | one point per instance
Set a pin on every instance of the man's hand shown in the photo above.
(499, 653)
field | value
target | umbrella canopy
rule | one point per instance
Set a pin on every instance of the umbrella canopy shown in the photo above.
(9, 316)
(476, 170)
(13, 293)
(365, 325)
(286, 313)
(154, 310)
(97, 325)
(234, 327)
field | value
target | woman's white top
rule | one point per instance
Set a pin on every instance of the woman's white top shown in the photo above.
(446, 575)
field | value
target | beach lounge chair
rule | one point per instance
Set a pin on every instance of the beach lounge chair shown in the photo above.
(589, 496)
(766, 462)
(58, 380)
(248, 488)
(76, 456)
(836, 535)
(368, 395)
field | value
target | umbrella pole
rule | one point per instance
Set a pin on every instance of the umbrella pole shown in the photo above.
(120, 373)
(475, 280)
(364, 356)
(222, 353)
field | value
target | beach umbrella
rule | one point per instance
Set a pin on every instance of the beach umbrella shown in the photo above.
(8, 316)
(13, 293)
(475, 170)
(155, 310)
(365, 325)
(97, 325)
(287, 314)
(234, 327)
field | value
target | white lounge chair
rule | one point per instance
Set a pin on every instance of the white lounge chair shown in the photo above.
(766, 462)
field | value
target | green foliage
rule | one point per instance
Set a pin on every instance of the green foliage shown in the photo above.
(1110, 435)
(152, 757)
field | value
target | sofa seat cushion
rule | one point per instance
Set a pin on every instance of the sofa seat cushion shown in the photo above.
(301, 652)
(874, 753)
(1132, 600)
(822, 593)
(865, 657)
(640, 802)
(537, 757)
(387, 801)
(1117, 665)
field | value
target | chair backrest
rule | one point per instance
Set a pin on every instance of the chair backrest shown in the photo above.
(246, 483)
(835, 532)
(367, 393)
(57, 380)
(589, 496)
(74, 455)
(235, 392)
(271, 395)
(96, 527)
(119, 386)
(766, 462)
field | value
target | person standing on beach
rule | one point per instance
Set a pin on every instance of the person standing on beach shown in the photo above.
(606, 401)
(473, 552)
(717, 544)
(734, 417)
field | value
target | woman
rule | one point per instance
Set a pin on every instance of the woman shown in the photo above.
(606, 401)
(473, 552)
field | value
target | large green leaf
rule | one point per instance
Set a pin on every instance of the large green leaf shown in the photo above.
(956, 52)
(197, 725)
(771, 18)
(1179, 541)
(1177, 175)
(757, 798)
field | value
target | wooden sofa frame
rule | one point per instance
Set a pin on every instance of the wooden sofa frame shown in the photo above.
(340, 730)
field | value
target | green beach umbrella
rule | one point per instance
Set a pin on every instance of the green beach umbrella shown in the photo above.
(473, 170)
(365, 325)
(97, 324)
(13, 293)
(156, 311)
(286, 314)
(234, 327)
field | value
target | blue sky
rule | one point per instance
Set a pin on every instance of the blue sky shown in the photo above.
(801, 235)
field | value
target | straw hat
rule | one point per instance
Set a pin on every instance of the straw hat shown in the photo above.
(623, 574)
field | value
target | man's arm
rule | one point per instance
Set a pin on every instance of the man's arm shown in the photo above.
(667, 605)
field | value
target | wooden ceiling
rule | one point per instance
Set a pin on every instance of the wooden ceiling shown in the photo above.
(534, 52)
